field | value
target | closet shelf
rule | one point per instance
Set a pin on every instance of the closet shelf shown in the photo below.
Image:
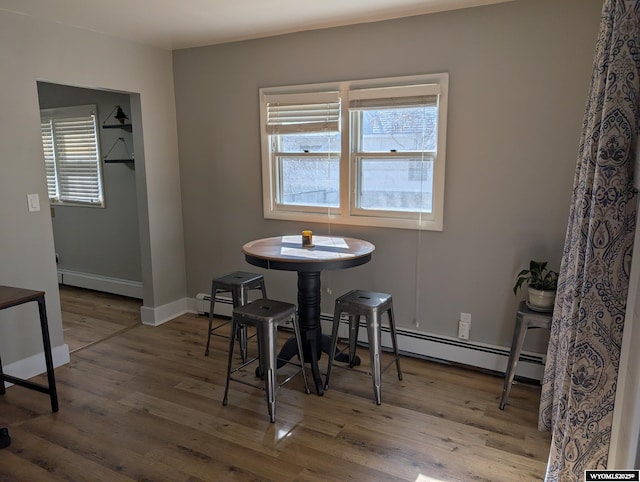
(122, 153)
(109, 161)
(126, 127)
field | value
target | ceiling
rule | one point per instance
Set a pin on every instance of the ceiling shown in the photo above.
(177, 24)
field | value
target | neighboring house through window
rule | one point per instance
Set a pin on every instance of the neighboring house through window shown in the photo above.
(363, 152)
(72, 155)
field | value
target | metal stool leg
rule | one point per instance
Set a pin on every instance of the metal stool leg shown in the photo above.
(267, 335)
(239, 297)
(212, 304)
(296, 328)
(374, 334)
(232, 340)
(394, 340)
(263, 287)
(334, 344)
(519, 332)
(354, 328)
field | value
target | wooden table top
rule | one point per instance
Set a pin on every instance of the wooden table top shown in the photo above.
(327, 252)
(11, 296)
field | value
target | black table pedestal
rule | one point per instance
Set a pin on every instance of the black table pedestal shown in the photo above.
(312, 338)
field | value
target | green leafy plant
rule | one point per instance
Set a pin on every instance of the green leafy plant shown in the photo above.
(537, 277)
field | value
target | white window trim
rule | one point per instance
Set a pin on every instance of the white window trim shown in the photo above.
(434, 83)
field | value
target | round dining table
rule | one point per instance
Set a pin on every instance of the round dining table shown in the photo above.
(326, 253)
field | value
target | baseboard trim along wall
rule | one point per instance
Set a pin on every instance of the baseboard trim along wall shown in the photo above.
(35, 365)
(161, 314)
(416, 343)
(107, 284)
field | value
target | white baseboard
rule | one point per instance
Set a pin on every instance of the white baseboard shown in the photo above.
(415, 343)
(96, 282)
(35, 365)
(162, 314)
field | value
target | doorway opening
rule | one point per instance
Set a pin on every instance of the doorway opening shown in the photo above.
(97, 246)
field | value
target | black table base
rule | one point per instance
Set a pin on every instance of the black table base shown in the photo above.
(315, 343)
(290, 349)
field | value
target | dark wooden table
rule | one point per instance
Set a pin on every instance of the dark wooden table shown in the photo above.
(327, 253)
(9, 297)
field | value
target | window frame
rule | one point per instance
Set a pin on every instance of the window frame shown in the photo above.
(62, 196)
(347, 212)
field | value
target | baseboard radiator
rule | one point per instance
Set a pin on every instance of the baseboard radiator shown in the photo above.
(433, 347)
(96, 282)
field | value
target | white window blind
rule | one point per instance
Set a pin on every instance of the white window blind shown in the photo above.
(399, 96)
(72, 155)
(299, 113)
(49, 159)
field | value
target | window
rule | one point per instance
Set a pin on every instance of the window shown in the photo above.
(363, 153)
(304, 133)
(72, 155)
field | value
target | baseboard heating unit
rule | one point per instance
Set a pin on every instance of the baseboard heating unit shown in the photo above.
(421, 344)
(107, 284)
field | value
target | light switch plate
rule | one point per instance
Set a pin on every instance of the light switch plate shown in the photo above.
(33, 201)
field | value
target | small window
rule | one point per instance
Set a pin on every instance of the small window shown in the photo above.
(363, 153)
(305, 144)
(395, 135)
(72, 155)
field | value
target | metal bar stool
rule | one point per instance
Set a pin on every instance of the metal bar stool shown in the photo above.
(238, 284)
(525, 319)
(265, 315)
(372, 306)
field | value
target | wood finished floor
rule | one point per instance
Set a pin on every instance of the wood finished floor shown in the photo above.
(145, 404)
(90, 316)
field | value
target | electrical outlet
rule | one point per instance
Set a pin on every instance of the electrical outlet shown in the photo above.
(466, 317)
(464, 328)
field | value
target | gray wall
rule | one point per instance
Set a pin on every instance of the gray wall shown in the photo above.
(519, 77)
(32, 50)
(99, 241)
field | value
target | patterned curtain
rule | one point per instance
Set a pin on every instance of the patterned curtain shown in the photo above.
(579, 384)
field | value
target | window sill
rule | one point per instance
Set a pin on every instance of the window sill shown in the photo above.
(380, 222)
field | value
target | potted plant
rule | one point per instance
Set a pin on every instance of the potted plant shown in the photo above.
(542, 285)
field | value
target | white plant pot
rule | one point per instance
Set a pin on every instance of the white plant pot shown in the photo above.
(541, 300)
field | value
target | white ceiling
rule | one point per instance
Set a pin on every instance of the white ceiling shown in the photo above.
(176, 24)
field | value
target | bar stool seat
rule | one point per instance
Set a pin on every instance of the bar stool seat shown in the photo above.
(238, 283)
(265, 315)
(372, 305)
(525, 319)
